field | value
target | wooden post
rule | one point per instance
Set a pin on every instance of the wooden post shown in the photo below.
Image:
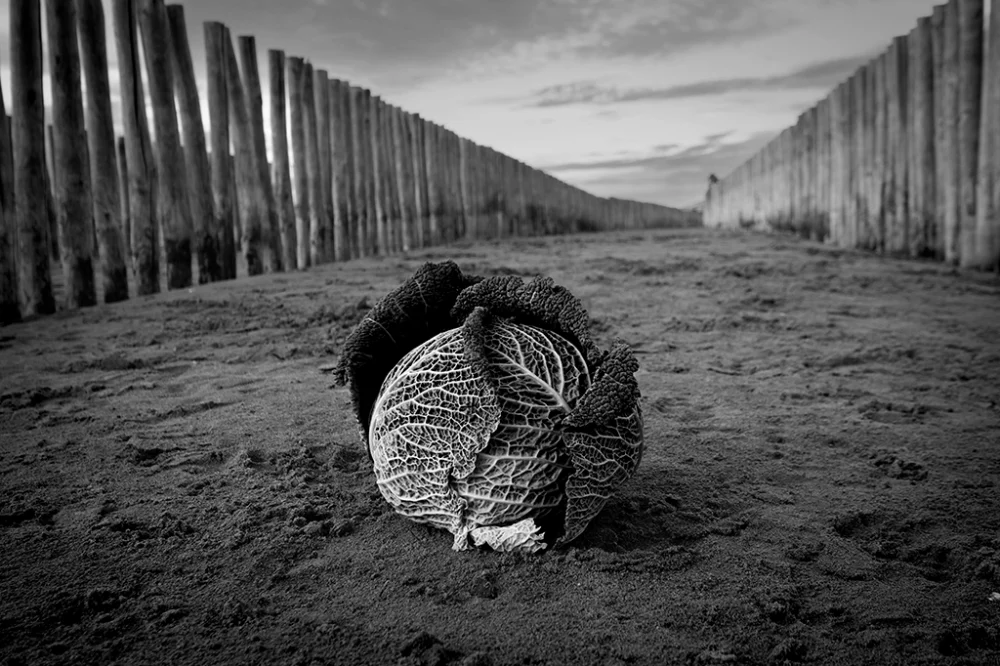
(970, 81)
(950, 155)
(51, 186)
(281, 176)
(220, 227)
(419, 181)
(359, 190)
(879, 143)
(123, 203)
(921, 107)
(368, 166)
(102, 151)
(174, 203)
(940, 131)
(431, 176)
(338, 169)
(142, 194)
(388, 162)
(234, 233)
(464, 188)
(399, 170)
(73, 201)
(296, 104)
(837, 166)
(348, 206)
(986, 249)
(864, 235)
(199, 179)
(897, 203)
(10, 311)
(270, 235)
(316, 208)
(375, 146)
(252, 215)
(323, 233)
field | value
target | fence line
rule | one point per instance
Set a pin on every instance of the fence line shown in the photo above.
(351, 175)
(903, 158)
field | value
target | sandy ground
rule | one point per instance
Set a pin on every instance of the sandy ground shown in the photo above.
(182, 482)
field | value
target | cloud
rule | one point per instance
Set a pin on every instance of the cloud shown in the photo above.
(669, 175)
(816, 75)
(660, 28)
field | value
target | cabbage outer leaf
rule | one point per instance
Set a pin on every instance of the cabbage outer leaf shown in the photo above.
(522, 535)
(464, 444)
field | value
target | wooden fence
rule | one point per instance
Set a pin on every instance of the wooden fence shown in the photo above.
(349, 174)
(903, 158)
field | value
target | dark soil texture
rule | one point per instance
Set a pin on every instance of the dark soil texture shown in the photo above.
(181, 482)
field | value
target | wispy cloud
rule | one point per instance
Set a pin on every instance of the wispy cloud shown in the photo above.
(816, 75)
(662, 28)
(674, 174)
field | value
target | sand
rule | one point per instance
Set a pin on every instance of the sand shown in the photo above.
(181, 482)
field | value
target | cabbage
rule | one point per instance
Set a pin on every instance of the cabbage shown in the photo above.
(488, 411)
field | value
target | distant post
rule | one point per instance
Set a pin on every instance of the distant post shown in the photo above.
(296, 107)
(375, 146)
(316, 209)
(322, 234)
(280, 169)
(339, 168)
(987, 244)
(951, 154)
(970, 88)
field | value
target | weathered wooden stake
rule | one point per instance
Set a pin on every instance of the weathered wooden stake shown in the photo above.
(141, 164)
(199, 179)
(419, 181)
(402, 191)
(73, 200)
(124, 208)
(102, 151)
(923, 195)
(323, 233)
(174, 201)
(339, 167)
(10, 311)
(316, 207)
(270, 235)
(940, 131)
(281, 175)
(987, 241)
(375, 146)
(252, 213)
(296, 105)
(220, 228)
(431, 166)
(951, 153)
(970, 90)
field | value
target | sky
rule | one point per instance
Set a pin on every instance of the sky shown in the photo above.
(638, 99)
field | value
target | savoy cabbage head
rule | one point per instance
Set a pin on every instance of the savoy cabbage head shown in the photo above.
(488, 410)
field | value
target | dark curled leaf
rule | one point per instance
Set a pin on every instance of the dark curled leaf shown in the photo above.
(614, 391)
(539, 302)
(413, 313)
